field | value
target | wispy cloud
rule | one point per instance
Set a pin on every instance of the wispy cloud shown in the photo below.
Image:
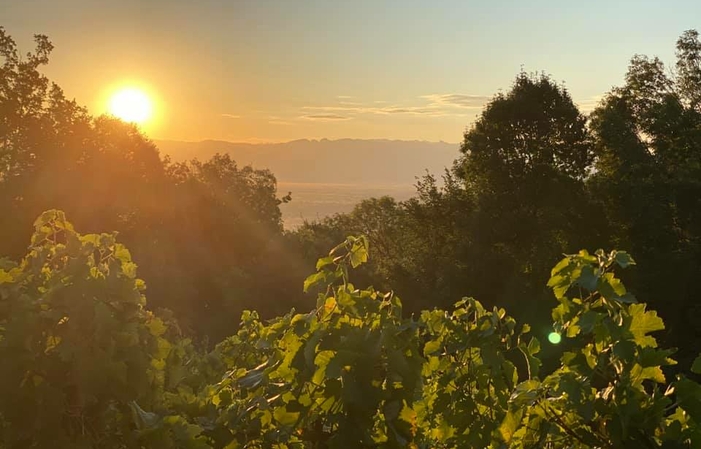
(587, 105)
(232, 116)
(458, 100)
(334, 108)
(407, 110)
(360, 109)
(434, 105)
(280, 121)
(325, 117)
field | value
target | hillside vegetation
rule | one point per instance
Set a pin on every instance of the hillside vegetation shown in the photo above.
(216, 359)
(92, 367)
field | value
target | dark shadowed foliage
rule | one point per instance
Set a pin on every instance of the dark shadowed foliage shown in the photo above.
(648, 177)
(205, 233)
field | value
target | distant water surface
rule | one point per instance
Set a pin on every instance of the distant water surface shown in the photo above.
(314, 201)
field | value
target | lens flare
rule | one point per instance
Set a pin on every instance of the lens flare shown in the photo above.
(554, 338)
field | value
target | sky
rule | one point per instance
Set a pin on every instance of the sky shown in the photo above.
(279, 70)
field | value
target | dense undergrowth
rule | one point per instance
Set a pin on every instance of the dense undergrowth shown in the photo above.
(86, 364)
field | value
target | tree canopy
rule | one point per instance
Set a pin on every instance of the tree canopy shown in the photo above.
(648, 177)
(203, 231)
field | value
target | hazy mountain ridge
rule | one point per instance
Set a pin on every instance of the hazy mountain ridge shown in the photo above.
(346, 161)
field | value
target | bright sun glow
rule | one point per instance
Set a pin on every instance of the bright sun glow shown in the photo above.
(131, 105)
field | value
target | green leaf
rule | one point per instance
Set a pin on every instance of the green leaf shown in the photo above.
(285, 417)
(561, 265)
(642, 323)
(573, 330)
(254, 377)
(510, 423)
(588, 278)
(623, 259)
(688, 395)
(586, 257)
(533, 346)
(96, 273)
(324, 261)
(5, 277)
(650, 373)
(433, 346)
(310, 349)
(655, 357)
(323, 358)
(624, 350)
(144, 419)
(156, 327)
(340, 360)
(359, 253)
(588, 320)
(696, 366)
(525, 393)
(391, 409)
(560, 285)
(313, 280)
(627, 298)
(611, 287)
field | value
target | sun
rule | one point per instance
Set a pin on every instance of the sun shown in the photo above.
(131, 105)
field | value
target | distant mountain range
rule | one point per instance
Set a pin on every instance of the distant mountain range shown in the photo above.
(344, 161)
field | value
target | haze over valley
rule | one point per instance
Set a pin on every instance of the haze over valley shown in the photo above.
(326, 176)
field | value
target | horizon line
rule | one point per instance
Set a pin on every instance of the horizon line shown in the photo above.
(282, 142)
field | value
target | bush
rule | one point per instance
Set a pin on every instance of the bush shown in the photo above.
(86, 365)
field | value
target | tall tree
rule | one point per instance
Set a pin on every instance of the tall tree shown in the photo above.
(524, 161)
(54, 154)
(205, 234)
(648, 176)
(209, 256)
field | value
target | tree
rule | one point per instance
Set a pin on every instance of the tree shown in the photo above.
(78, 344)
(418, 244)
(209, 256)
(689, 68)
(54, 154)
(648, 177)
(532, 131)
(524, 161)
(206, 233)
(514, 200)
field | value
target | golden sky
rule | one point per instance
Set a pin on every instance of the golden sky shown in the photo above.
(277, 70)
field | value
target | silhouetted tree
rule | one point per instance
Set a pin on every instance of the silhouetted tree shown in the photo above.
(648, 176)
(515, 200)
(205, 234)
(524, 162)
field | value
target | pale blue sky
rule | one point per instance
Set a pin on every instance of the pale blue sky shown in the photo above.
(277, 70)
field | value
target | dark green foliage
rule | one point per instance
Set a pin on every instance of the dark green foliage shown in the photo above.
(535, 180)
(514, 201)
(524, 163)
(648, 178)
(76, 342)
(88, 366)
(534, 130)
(84, 364)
